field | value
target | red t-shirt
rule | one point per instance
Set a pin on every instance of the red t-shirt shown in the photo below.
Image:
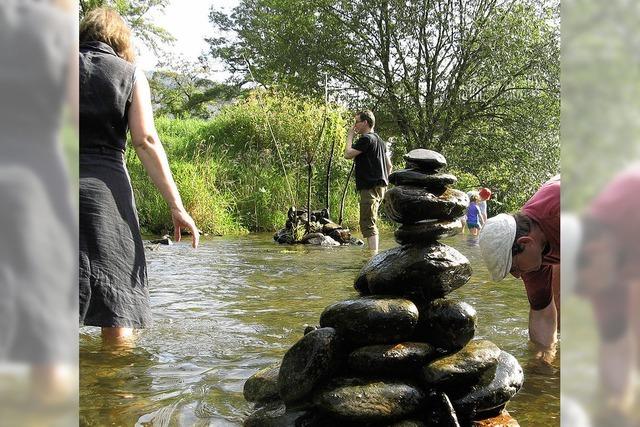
(544, 209)
(618, 207)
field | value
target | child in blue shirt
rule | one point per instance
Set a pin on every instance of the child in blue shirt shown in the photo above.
(473, 215)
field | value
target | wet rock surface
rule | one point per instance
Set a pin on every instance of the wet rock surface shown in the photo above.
(371, 320)
(369, 401)
(436, 183)
(310, 361)
(412, 204)
(503, 419)
(503, 385)
(426, 160)
(430, 271)
(446, 324)
(439, 410)
(402, 354)
(457, 373)
(277, 415)
(263, 385)
(405, 358)
(425, 232)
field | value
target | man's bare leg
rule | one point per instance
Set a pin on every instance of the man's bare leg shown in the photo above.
(116, 335)
(373, 242)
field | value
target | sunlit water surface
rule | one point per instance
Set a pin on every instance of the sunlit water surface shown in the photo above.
(237, 304)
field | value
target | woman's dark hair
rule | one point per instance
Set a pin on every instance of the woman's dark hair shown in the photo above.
(523, 228)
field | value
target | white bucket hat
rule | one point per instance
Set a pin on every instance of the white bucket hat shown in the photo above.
(496, 240)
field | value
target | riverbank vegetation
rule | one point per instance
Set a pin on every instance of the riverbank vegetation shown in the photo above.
(478, 81)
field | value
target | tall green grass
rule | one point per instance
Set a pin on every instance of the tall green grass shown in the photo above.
(232, 175)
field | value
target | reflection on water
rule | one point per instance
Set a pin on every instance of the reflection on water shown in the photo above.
(237, 304)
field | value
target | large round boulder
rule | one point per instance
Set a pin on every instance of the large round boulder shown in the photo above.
(429, 272)
(369, 400)
(412, 204)
(493, 393)
(312, 360)
(371, 320)
(458, 373)
(435, 183)
(427, 231)
(392, 359)
(447, 325)
(263, 385)
(425, 160)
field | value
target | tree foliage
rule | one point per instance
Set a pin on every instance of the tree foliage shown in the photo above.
(477, 80)
(136, 15)
(180, 88)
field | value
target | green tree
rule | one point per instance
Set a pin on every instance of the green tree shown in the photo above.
(136, 14)
(435, 66)
(180, 88)
(476, 80)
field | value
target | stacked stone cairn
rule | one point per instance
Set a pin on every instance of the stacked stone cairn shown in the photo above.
(315, 229)
(400, 354)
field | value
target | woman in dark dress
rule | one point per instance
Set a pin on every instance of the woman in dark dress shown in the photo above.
(114, 97)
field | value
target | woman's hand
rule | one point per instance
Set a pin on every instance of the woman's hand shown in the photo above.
(181, 219)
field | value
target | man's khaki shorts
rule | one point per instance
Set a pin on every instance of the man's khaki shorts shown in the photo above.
(370, 200)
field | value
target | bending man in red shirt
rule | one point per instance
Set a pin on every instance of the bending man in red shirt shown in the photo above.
(527, 245)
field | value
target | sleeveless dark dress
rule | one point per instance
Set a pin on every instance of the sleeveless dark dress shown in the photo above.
(38, 296)
(113, 273)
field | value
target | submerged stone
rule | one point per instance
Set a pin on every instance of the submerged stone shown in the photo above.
(322, 241)
(312, 360)
(263, 385)
(412, 204)
(276, 414)
(369, 400)
(495, 392)
(371, 320)
(435, 183)
(392, 359)
(446, 324)
(503, 419)
(427, 231)
(341, 235)
(426, 160)
(439, 410)
(457, 373)
(429, 272)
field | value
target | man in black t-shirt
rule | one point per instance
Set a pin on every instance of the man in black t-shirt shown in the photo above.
(373, 166)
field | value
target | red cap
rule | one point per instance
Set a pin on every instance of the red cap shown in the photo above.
(485, 193)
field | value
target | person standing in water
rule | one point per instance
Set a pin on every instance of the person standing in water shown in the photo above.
(372, 166)
(115, 97)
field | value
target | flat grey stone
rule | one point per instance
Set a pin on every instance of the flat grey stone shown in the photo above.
(369, 400)
(427, 231)
(392, 359)
(312, 360)
(494, 393)
(434, 182)
(424, 159)
(458, 373)
(263, 385)
(447, 325)
(371, 320)
(427, 272)
(409, 205)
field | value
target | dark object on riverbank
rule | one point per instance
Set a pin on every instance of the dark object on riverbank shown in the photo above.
(401, 354)
(316, 229)
(165, 240)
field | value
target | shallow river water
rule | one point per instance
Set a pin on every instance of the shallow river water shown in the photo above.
(237, 304)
